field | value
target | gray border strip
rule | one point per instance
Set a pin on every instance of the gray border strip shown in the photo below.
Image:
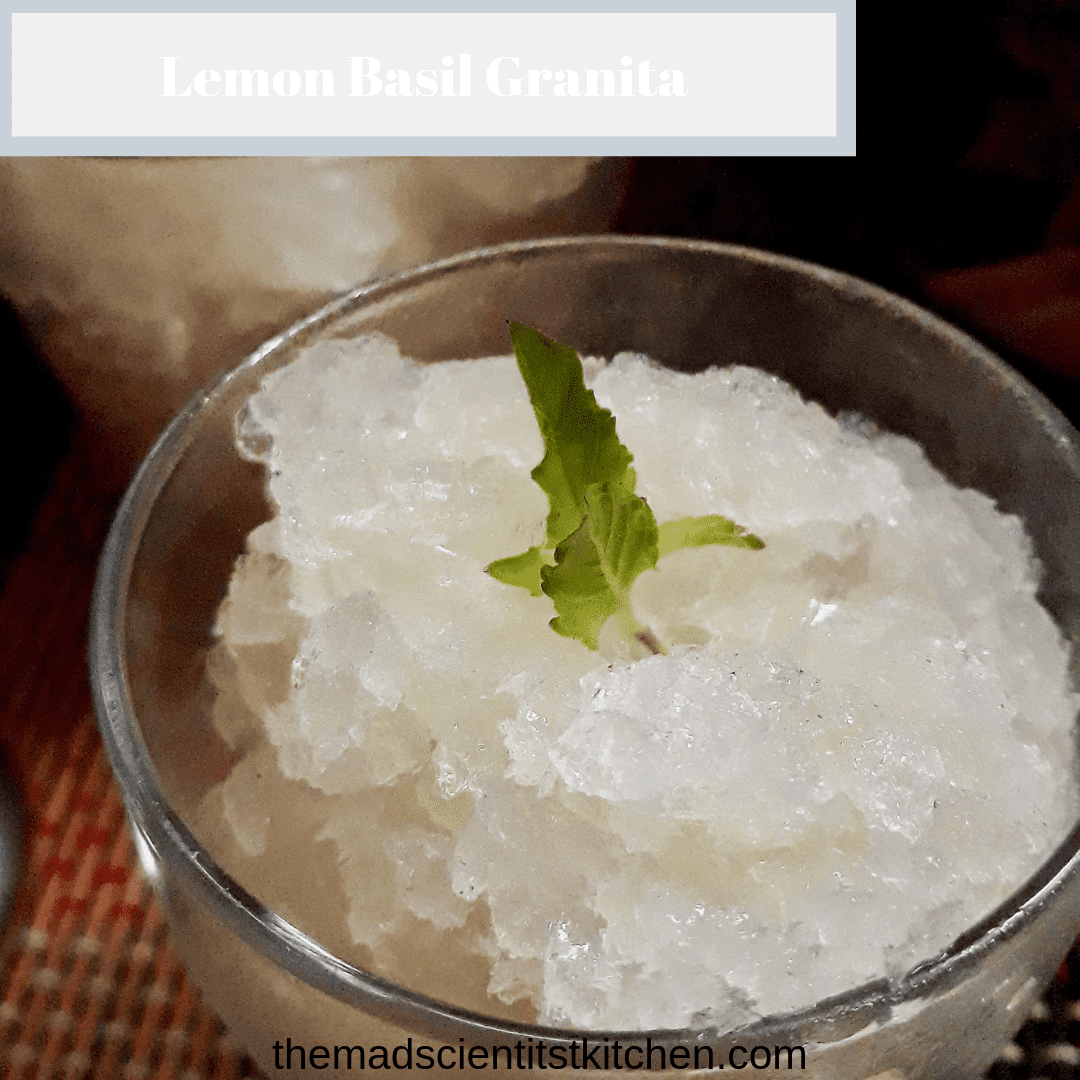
(841, 7)
(436, 146)
(842, 145)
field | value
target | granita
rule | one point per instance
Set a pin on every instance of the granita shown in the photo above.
(844, 750)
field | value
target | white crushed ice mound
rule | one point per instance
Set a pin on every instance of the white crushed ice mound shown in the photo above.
(859, 742)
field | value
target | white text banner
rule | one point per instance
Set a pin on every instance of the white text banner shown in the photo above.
(424, 74)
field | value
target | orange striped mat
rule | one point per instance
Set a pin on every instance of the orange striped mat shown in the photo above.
(94, 987)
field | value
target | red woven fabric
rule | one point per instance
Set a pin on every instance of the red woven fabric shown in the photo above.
(93, 986)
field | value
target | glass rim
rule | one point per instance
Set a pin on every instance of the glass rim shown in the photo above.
(839, 1016)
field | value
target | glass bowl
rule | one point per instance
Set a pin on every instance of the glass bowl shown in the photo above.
(840, 341)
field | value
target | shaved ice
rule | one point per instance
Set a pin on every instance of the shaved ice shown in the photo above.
(859, 742)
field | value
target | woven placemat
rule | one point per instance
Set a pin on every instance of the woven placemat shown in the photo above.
(93, 984)
(90, 985)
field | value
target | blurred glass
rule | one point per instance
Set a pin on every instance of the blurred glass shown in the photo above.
(139, 278)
